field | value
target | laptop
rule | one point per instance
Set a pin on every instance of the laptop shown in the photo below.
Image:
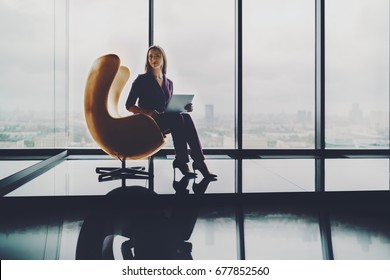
(178, 102)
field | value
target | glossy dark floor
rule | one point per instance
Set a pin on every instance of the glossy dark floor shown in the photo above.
(65, 213)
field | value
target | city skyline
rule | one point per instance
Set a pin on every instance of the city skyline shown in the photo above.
(260, 131)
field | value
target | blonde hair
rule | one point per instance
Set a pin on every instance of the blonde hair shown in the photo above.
(161, 50)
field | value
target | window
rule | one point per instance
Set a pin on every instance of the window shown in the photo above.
(28, 74)
(198, 37)
(91, 35)
(47, 54)
(357, 74)
(278, 74)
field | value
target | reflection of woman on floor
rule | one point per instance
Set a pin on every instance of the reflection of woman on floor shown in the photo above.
(153, 91)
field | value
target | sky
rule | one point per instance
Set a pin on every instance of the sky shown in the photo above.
(278, 45)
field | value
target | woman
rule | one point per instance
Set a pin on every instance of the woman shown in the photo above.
(153, 91)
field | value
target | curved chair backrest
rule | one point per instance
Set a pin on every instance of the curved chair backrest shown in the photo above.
(132, 137)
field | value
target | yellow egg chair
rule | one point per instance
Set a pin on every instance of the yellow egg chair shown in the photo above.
(123, 137)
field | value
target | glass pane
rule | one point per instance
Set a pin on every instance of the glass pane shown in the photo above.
(29, 235)
(52, 182)
(74, 177)
(357, 74)
(27, 68)
(356, 174)
(281, 234)
(198, 37)
(69, 237)
(278, 73)
(214, 235)
(61, 106)
(278, 175)
(9, 167)
(77, 176)
(97, 28)
(166, 182)
(361, 235)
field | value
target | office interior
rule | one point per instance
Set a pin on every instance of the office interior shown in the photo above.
(291, 104)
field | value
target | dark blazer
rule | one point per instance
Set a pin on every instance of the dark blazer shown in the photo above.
(149, 94)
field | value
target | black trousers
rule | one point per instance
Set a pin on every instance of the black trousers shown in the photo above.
(184, 133)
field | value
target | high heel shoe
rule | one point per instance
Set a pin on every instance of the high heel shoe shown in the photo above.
(183, 167)
(202, 167)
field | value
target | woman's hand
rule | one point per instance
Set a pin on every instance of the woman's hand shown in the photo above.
(150, 113)
(189, 107)
(137, 110)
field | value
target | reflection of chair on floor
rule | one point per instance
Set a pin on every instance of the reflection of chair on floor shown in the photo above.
(132, 225)
(131, 137)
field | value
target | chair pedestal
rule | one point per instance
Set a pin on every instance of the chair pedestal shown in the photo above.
(113, 173)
